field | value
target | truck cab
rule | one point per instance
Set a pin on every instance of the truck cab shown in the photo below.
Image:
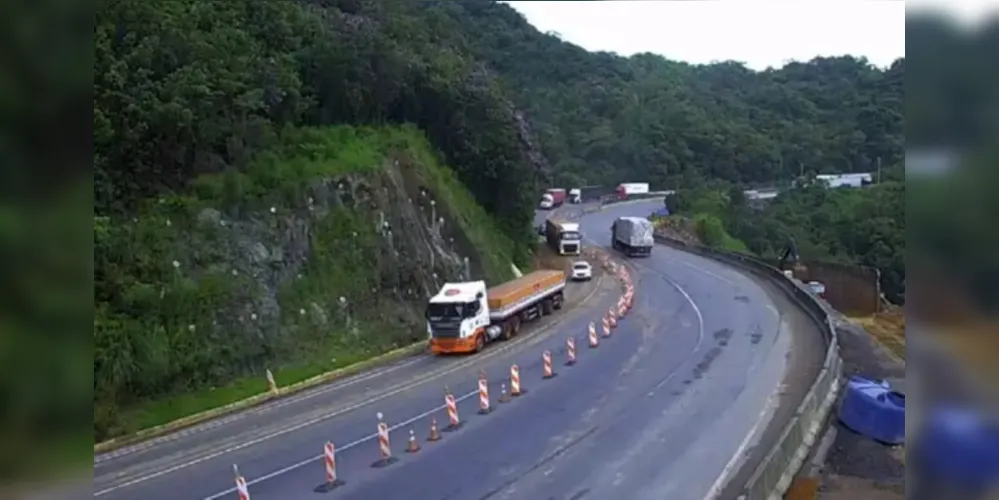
(564, 237)
(463, 317)
(458, 316)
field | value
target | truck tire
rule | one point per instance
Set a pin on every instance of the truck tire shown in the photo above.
(480, 342)
(513, 325)
(507, 331)
(547, 306)
(557, 301)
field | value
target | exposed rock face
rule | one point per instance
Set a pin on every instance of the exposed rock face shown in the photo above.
(411, 240)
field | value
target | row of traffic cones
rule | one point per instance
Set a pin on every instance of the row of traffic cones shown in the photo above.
(413, 446)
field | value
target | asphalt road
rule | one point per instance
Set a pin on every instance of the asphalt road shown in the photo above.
(669, 407)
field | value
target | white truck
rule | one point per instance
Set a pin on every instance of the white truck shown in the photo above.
(463, 317)
(564, 237)
(632, 236)
(627, 189)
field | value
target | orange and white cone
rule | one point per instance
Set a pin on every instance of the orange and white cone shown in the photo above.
(607, 326)
(329, 462)
(612, 318)
(241, 489)
(384, 447)
(570, 351)
(504, 396)
(484, 407)
(435, 433)
(592, 334)
(452, 412)
(413, 446)
(546, 358)
(515, 388)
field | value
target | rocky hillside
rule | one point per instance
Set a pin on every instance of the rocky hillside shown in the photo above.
(318, 254)
(280, 185)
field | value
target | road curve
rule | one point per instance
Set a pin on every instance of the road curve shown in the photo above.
(666, 408)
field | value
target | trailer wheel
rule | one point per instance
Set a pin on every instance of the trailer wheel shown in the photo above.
(514, 323)
(507, 333)
(557, 301)
(547, 306)
(480, 342)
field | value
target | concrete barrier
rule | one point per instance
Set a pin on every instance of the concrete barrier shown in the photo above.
(773, 476)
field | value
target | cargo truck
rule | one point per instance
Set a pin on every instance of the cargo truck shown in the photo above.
(632, 236)
(564, 237)
(552, 198)
(463, 317)
(587, 194)
(631, 188)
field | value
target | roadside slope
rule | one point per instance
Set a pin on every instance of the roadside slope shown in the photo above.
(317, 256)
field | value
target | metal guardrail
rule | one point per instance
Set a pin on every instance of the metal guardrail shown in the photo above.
(774, 474)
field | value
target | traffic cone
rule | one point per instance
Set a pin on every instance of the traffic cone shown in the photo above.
(504, 397)
(435, 433)
(413, 446)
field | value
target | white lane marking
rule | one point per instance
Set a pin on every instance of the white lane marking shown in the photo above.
(700, 329)
(340, 449)
(274, 405)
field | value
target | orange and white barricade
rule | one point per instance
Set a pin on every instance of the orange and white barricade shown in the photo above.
(384, 447)
(484, 407)
(452, 411)
(592, 334)
(546, 358)
(570, 350)
(241, 489)
(515, 388)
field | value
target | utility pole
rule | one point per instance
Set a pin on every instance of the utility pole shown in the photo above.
(879, 170)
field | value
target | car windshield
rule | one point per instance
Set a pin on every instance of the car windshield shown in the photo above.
(580, 265)
(570, 235)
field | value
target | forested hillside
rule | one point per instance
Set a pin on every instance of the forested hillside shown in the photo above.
(280, 185)
(603, 118)
(256, 161)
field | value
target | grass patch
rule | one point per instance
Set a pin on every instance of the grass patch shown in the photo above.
(711, 232)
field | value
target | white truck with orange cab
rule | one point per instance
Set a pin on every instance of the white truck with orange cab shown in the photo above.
(463, 317)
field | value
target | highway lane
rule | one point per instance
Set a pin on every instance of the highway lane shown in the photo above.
(196, 463)
(663, 409)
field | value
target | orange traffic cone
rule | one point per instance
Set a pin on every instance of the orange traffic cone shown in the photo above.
(435, 433)
(504, 396)
(413, 445)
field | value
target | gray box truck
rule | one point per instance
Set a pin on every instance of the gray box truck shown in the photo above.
(632, 236)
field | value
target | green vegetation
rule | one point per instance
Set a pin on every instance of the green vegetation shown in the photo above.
(170, 280)
(606, 119)
(218, 125)
(864, 226)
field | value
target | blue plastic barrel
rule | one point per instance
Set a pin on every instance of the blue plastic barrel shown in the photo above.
(874, 410)
(959, 447)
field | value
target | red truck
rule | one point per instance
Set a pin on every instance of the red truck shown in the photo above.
(552, 198)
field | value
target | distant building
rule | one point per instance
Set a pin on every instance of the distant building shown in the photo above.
(845, 180)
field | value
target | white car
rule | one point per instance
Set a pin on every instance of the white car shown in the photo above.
(581, 271)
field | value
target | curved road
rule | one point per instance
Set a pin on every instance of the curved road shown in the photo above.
(669, 407)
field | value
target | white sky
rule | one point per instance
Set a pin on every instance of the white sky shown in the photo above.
(757, 33)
